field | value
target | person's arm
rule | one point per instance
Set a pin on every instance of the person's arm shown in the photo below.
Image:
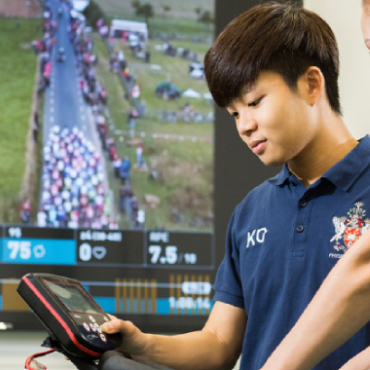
(359, 362)
(338, 310)
(216, 346)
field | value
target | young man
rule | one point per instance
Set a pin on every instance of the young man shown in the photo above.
(334, 316)
(275, 69)
(365, 22)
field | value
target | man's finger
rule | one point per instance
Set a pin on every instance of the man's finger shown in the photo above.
(126, 328)
(114, 326)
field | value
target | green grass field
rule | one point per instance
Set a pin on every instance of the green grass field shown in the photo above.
(174, 70)
(180, 19)
(17, 77)
(179, 8)
(187, 166)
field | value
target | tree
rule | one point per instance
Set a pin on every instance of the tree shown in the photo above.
(198, 11)
(206, 17)
(135, 4)
(93, 12)
(166, 9)
(145, 10)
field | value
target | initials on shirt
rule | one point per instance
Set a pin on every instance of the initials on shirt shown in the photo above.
(256, 236)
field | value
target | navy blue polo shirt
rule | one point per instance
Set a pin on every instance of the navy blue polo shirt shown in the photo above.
(282, 241)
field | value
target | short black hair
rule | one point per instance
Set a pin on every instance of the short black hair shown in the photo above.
(282, 38)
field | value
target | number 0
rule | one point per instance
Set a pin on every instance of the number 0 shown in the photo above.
(85, 252)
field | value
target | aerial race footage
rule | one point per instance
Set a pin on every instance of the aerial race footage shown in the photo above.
(107, 120)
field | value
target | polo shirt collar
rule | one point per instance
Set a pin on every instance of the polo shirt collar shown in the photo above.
(344, 173)
(281, 177)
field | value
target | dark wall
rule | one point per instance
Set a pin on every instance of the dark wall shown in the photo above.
(237, 169)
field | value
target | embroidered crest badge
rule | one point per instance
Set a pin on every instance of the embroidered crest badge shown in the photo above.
(350, 228)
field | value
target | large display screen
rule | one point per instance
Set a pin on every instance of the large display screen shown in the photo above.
(108, 178)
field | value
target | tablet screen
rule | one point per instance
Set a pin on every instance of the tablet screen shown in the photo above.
(72, 296)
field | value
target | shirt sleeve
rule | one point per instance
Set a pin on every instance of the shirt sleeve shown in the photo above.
(228, 286)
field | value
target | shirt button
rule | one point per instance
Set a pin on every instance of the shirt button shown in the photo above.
(302, 203)
(300, 228)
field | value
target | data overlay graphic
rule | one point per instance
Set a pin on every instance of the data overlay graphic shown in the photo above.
(127, 272)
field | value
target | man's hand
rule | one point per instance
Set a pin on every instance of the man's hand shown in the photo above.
(216, 347)
(133, 339)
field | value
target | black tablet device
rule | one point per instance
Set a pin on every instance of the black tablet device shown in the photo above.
(70, 314)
